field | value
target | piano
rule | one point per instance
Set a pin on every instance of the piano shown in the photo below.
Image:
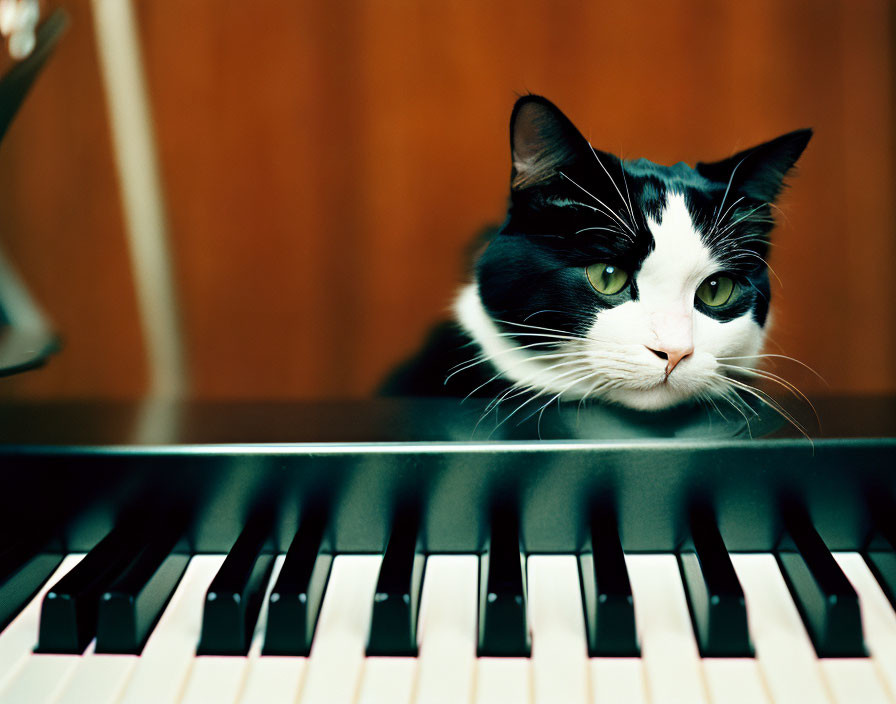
(432, 551)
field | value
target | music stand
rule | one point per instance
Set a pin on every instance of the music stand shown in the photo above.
(26, 338)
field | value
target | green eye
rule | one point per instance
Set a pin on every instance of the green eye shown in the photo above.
(606, 278)
(716, 291)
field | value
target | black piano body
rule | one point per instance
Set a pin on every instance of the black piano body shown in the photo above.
(83, 466)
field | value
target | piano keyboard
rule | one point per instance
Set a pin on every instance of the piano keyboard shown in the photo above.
(395, 559)
(491, 628)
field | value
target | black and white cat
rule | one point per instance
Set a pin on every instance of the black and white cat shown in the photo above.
(624, 281)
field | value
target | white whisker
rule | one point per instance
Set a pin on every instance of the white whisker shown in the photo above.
(771, 403)
(560, 312)
(608, 229)
(767, 265)
(725, 214)
(489, 358)
(610, 210)
(739, 410)
(628, 194)
(730, 225)
(727, 188)
(765, 374)
(526, 386)
(532, 327)
(776, 356)
(613, 182)
(566, 388)
(526, 402)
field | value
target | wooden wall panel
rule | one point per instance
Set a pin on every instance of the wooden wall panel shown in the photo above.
(327, 164)
(865, 201)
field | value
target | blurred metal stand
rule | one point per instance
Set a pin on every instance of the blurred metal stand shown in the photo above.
(26, 338)
(118, 48)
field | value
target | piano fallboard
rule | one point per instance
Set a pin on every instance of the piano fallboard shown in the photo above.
(83, 467)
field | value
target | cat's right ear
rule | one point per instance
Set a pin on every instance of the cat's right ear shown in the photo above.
(542, 140)
(759, 171)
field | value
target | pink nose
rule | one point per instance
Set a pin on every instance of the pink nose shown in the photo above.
(672, 356)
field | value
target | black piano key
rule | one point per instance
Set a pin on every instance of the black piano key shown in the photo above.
(607, 594)
(503, 627)
(715, 597)
(883, 565)
(23, 570)
(826, 600)
(294, 603)
(69, 609)
(396, 602)
(882, 559)
(129, 609)
(234, 597)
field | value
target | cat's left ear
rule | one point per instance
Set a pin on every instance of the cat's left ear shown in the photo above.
(759, 172)
(542, 141)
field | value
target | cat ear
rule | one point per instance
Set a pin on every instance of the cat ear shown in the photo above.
(542, 140)
(759, 172)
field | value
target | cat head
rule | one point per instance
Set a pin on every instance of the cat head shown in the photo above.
(627, 281)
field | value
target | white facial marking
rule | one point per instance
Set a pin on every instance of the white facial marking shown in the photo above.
(664, 319)
(670, 275)
(518, 365)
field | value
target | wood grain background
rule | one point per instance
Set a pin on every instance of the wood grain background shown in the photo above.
(326, 164)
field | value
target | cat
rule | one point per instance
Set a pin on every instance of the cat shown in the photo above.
(623, 281)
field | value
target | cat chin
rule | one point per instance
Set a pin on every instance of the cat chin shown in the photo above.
(660, 398)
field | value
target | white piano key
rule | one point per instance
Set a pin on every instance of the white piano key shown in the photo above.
(18, 639)
(734, 681)
(387, 680)
(783, 649)
(273, 679)
(559, 645)
(447, 621)
(503, 680)
(33, 677)
(868, 679)
(668, 648)
(214, 678)
(168, 655)
(270, 679)
(98, 679)
(337, 652)
(617, 681)
(854, 680)
(41, 679)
